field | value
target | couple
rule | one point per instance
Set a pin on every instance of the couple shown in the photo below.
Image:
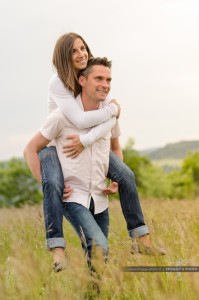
(90, 128)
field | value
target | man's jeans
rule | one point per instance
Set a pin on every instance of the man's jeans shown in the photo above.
(91, 229)
(53, 185)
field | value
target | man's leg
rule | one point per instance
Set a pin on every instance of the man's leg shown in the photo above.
(53, 185)
(86, 227)
(102, 220)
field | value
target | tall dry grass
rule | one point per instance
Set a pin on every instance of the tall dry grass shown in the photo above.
(26, 266)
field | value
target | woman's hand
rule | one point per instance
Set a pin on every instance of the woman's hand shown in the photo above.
(74, 148)
(112, 189)
(118, 107)
(67, 190)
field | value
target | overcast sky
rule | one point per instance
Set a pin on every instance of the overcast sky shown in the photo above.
(154, 47)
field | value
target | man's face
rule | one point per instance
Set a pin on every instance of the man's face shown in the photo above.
(98, 83)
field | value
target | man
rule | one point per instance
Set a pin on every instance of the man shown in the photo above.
(87, 205)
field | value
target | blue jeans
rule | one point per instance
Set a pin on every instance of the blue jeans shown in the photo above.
(129, 199)
(53, 184)
(91, 229)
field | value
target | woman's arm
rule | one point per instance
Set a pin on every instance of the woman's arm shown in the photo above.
(60, 97)
(78, 143)
(97, 132)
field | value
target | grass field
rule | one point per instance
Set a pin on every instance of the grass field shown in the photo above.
(26, 266)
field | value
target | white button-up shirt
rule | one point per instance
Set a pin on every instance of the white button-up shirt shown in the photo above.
(86, 173)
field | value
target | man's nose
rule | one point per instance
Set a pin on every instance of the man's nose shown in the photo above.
(106, 84)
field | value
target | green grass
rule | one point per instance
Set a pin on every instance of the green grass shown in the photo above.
(26, 266)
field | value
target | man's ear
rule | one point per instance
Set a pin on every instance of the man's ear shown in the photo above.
(82, 80)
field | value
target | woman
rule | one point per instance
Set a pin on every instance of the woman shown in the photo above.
(71, 54)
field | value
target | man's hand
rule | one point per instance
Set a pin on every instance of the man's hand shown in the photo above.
(118, 107)
(112, 189)
(74, 148)
(67, 190)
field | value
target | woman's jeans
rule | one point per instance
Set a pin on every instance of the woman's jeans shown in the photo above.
(53, 185)
(91, 228)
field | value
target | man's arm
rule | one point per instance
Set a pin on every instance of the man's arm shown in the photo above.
(116, 148)
(37, 143)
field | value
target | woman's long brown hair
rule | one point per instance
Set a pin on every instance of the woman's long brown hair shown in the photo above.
(62, 61)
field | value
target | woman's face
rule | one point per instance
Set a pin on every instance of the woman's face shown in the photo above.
(79, 55)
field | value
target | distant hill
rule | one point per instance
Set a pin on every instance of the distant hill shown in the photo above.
(177, 150)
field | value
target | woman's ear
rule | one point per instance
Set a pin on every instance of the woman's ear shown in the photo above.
(82, 80)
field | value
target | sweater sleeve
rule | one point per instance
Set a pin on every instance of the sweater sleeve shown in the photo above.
(97, 132)
(66, 102)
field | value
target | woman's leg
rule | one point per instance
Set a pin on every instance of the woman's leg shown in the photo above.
(129, 198)
(53, 185)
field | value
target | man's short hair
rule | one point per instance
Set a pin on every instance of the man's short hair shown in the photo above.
(96, 61)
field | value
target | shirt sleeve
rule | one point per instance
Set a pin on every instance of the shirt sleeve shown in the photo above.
(52, 127)
(97, 132)
(66, 102)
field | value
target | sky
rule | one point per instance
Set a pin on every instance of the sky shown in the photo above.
(154, 48)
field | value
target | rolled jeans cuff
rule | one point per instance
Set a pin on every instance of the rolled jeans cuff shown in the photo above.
(55, 243)
(139, 231)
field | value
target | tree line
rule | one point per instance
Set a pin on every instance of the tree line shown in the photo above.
(153, 181)
(18, 187)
